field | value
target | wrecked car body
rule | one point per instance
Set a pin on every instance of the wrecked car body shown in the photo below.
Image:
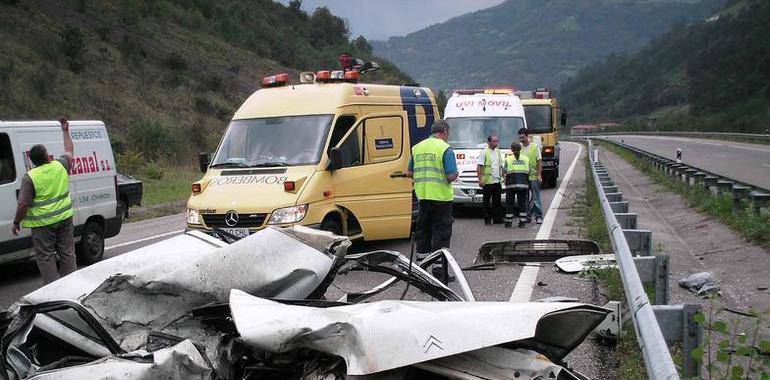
(194, 306)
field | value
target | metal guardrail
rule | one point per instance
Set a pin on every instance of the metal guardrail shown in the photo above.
(692, 175)
(657, 358)
(764, 137)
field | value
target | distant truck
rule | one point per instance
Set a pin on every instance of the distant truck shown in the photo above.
(544, 118)
(129, 192)
(473, 115)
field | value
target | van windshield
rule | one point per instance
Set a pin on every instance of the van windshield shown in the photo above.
(274, 141)
(472, 132)
(538, 119)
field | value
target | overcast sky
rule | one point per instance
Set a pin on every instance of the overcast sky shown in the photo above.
(380, 19)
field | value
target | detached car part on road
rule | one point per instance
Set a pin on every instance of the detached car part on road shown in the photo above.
(194, 306)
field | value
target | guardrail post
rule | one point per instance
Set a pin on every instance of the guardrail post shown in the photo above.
(614, 197)
(711, 183)
(739, 194)
(677, 323)
(724, 187)
(699, 176)
(620, 207)
(610, 189)
(639, 241)
(626, 220)
(662, 289)
(607, 183)
(688, 174)
(759, 200)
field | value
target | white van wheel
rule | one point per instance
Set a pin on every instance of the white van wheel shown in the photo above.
(91, 247)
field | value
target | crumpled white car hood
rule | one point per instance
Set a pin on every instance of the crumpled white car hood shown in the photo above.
(384, 335)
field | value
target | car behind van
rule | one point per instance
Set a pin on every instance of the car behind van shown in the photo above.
(93, 186)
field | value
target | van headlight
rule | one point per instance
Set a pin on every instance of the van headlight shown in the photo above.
(291, 214)
(193, 216)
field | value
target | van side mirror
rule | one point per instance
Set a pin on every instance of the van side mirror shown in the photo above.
(563, 118)
(335, 156)
(204, 159)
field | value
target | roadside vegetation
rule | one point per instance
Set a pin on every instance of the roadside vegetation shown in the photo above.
(751, 225)
(165, 75)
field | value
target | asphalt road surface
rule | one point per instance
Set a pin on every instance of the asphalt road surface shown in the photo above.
(748, 163)
(469, 233)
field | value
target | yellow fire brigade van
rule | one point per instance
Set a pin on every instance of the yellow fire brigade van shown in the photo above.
(543, 119)
(328, 152)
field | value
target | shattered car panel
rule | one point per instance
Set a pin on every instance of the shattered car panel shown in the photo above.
(384, 335)
(194, 306)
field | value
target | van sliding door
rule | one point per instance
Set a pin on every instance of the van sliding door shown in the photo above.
(10, 180)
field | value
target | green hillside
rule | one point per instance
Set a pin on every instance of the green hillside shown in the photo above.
(533, 43)
(165, 75)
(714, 75)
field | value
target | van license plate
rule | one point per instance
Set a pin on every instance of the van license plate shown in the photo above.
(238, 232)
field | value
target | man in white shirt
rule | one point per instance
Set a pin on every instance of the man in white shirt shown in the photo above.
(489, 169)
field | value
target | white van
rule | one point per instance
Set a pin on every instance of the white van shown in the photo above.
(93, 184)
(473, 115)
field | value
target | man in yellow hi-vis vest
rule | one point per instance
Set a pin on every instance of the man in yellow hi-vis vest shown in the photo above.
(433, 168)
(489, 169)
(45, 206)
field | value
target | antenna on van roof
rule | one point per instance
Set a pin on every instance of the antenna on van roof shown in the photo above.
(351, 63)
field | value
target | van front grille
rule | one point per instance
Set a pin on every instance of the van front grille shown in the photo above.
(244, 220)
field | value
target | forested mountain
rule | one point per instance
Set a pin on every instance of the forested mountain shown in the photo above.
(533, 43)
(711, 75)
(165, 75)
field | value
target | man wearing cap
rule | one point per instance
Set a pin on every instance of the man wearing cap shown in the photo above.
(433, 169)
(45, 206)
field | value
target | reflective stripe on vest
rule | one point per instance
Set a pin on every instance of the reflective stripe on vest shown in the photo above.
(517, 172)
(429, 177)
(52, 202)
(486, 177)
(531, 152)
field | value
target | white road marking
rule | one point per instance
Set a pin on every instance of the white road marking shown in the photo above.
(143, 240)
(525, 285)
(550, 215)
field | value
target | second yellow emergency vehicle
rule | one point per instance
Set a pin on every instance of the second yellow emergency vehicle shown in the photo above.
(544, 118)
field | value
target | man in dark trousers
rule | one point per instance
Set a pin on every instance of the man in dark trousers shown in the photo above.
(489, 169)
(433, 169)
(516, 184)
(45, 206)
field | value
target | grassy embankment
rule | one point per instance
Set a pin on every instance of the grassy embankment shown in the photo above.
(165, 195)
(752, 226)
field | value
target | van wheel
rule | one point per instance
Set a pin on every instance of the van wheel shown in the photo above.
(332, 225)
(91, 247)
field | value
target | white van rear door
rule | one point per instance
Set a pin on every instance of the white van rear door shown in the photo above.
(11, 171)
(92, 172)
